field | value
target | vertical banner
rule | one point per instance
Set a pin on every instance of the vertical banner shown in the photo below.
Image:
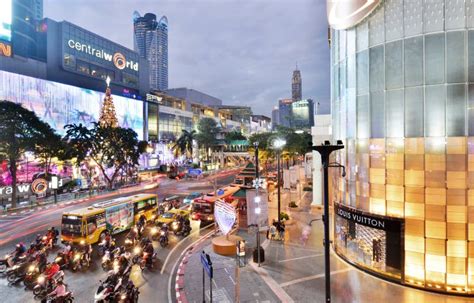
(254, 217)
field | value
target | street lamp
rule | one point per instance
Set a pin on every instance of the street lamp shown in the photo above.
(325, 150)
(258, 210)
(278, 144)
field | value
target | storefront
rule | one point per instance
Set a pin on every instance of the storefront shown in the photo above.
(371, 242)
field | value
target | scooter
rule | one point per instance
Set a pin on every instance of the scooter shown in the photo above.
(129, 294)
(31, 276)
(68, 298)
(145, 263)
(163, 238)
(44, 287)
(154, 233)
(107, 291)
(17, 271)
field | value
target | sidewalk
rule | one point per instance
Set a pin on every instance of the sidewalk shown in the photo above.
(296, 271)
(252, 287)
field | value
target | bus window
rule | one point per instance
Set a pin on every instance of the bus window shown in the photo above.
(152, 202)
(91, 225)
(71, 225)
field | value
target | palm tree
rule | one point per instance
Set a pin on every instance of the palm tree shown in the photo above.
(184, 144)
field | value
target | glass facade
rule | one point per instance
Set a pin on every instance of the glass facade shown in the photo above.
(402, 98)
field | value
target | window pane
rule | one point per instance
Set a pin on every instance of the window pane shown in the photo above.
(435, 113)
(434, 59)
(362, 72)
(376, 69)
(377, 115)
(414, 112)
(413, 61)
(393, 65)
(455, 57)
(470, 112)
(471, 56)
(363, 116)
(394, 113)
(456, 110)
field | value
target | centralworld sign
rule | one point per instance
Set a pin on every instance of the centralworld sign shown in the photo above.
(343, 14)
(118, 59)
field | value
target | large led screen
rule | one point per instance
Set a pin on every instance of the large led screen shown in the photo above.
(6, 20)
(59, 104)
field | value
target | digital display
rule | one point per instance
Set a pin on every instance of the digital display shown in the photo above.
(60, 104)
(6, 20)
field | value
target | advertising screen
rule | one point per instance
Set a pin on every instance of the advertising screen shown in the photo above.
(6, 20)
(59, 104)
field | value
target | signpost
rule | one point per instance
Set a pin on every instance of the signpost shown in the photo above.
(206, 267)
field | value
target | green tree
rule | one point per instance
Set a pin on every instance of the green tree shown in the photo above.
(20, 131)
(184, 144)
(52, 146)
(110, 148)
(207, 134)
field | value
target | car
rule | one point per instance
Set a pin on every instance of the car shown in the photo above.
(171, 215)
(191, 197)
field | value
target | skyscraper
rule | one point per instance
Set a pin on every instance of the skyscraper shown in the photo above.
(296, 94)
(284, 111)
(151, 42)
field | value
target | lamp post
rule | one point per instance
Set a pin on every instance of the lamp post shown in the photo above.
(325, 150)
(257, 204)
(278, 145)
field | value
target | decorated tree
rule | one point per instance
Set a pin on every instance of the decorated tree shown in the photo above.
(108, 118)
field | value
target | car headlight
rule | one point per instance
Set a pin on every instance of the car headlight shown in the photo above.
(41, 279)
(82, 242)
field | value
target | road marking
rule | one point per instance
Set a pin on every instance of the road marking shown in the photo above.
(176, 246)
(277, 289)
(179, 259)
(299, 258)
(230, 277)
(313, 277)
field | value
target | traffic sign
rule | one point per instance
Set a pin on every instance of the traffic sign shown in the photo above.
(195, 171)
(207, 264)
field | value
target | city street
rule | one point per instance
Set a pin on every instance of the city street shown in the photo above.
(153, 285)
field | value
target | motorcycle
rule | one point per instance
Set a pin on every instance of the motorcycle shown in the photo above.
(137, 254)
(79, 261)
(154, 233)
(107, 259)
(107, 291)
(44, 287)
(163, 238)
(181, 230)
(129, 294)
(17, 272)
(67, 298)
(31, 276)
(129, 242)
(145, 263)
(5, 263)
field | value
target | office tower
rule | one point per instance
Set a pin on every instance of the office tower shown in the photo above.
(296, 94)
(151, 42)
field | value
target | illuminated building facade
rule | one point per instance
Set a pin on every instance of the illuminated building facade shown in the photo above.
(401, 100)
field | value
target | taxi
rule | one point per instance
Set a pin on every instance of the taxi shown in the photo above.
(171, 215)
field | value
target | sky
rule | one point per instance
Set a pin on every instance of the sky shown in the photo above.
(241, 51)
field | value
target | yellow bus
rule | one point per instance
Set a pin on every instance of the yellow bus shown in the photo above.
(117, 215)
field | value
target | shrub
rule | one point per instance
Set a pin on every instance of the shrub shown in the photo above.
(284, 216)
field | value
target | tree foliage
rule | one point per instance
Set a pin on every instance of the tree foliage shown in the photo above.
(207, 133)
(184, 144)
(112, 149)
(234, 135)
(20, 131)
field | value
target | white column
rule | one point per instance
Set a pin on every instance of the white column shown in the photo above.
(317, 180)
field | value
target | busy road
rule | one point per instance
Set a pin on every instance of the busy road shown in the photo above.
(152, 284)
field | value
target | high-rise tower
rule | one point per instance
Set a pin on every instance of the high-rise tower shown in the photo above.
(151, 42)
(296, 94)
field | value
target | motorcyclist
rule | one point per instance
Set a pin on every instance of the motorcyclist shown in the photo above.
(52, 236)
(122, 264)
(20, 250)
(148, 253)
(165, 228)
(86, 250)
(51, 270)
(67, 253)
(59, 292)
(41, 261)
(144, 241)
(31, 250)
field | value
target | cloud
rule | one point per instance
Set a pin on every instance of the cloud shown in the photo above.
(242, 51)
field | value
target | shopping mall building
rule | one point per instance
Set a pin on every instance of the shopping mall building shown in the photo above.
(402, 101)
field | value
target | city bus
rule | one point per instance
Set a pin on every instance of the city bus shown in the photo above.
(117, 215)
(203, 208)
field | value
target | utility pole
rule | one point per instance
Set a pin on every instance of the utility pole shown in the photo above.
(325, 150)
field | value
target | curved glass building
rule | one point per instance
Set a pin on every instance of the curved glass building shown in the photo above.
(402, 100)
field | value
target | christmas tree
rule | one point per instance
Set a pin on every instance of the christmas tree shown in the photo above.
(107, 113)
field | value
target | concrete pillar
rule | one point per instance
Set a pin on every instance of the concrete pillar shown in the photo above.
(317, 180)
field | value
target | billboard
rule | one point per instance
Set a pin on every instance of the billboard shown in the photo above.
(60, 104)
(6, 20)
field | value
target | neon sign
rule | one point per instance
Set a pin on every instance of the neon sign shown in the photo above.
(118, 59)
(5, 49)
